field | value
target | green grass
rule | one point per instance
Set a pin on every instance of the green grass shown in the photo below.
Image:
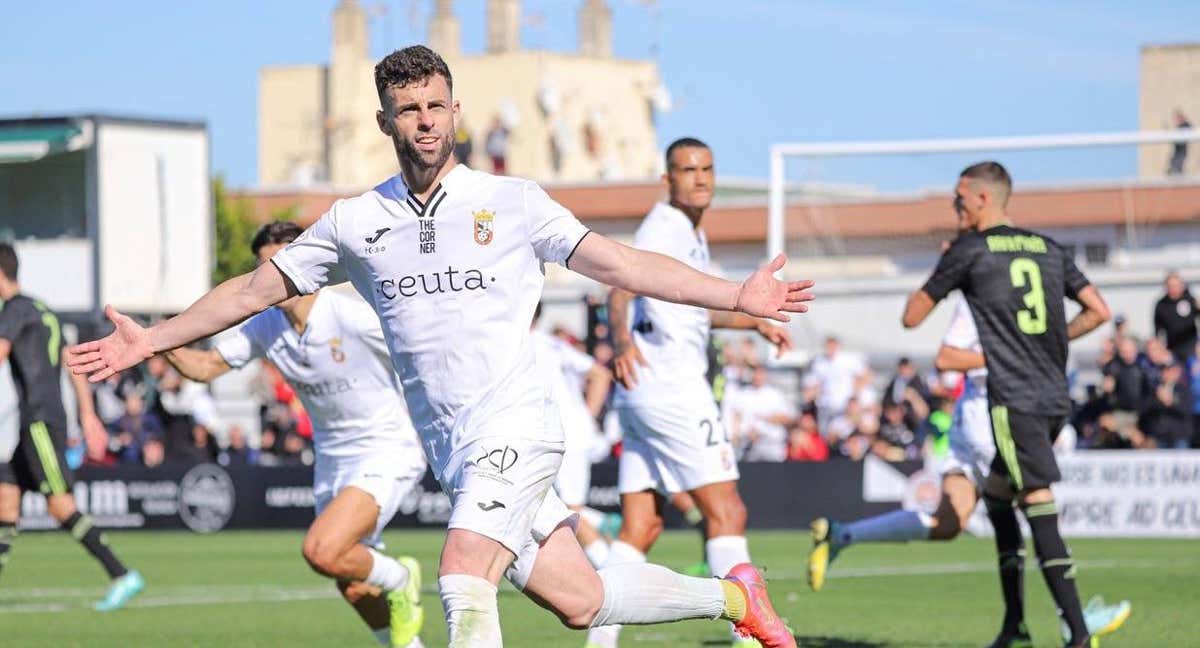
(253, 589)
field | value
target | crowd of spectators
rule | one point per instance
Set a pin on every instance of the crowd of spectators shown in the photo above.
(151, 414)
(1140, 394)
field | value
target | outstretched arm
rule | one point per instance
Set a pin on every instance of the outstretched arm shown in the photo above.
(223, 306)
(199, 365)
(1095, 312)
(659, 276)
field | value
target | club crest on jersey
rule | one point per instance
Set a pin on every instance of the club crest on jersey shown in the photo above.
(484, 226)
(335, 350)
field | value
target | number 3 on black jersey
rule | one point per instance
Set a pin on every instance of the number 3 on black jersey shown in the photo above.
(1025, 273)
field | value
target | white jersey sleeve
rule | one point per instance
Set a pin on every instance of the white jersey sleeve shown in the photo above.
(240, 346)
(962, 333)
(554, 231)
(314, 259)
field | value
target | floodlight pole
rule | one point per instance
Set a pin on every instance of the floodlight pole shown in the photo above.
(775, 224)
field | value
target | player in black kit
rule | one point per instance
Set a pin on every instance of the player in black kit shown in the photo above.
(31, 340)
(1015, 281)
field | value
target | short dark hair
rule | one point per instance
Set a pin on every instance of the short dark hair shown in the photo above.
(410, 65)
(8, 261)
(683, 142)
(992, 173)
(275, 233)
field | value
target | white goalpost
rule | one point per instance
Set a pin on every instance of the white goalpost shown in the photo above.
(779, 153)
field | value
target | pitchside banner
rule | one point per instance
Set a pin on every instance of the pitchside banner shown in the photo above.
(1104, 494)
(1118, 493)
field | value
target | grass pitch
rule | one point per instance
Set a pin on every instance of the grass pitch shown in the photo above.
(253, 589)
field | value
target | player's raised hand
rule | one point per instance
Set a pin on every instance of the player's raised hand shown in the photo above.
(776, 335)
(126, 346)
(762, 295)
(626, 363)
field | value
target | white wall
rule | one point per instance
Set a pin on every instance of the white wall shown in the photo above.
(155, 237)
(57, 271)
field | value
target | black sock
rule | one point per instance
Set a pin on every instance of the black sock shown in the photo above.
(1057, 566)
(1011, 551)
(84, 530)
(8, 533)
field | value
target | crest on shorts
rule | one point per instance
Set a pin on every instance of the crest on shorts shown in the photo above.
(484, 226)
(335, 350)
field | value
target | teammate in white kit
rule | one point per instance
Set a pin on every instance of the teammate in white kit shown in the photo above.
(451, 259)
(330, 347)
(674, 439)
(567, 373)
(963, 472)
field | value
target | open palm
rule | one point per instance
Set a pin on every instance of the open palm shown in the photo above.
(127, 345)
(762, 295)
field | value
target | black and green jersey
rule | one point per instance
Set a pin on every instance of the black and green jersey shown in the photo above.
(35, 359)
(1015, 281)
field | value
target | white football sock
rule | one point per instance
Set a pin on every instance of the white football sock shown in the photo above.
(597, 552)
(896, 526)
(383, 637)
(471, 613)
(386, 573)
(619, 553)
(723, 552)
(645, 593)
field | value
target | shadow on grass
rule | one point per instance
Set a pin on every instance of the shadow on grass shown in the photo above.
(812, 641)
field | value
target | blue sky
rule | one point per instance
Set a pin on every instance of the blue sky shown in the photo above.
(743, 74)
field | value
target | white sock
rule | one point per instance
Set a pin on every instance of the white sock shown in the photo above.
(471, 613)
(896, 526)
(646, 593)
(386, 573)
(619, 553)
(723, 552)
(597, 552)
(591, 516)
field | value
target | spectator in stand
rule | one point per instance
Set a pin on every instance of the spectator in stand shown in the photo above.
(906, 376)
(153, 452)
(894, 429)
(164, 385)
(462, 143)
(134, 429)
(766, 415)
(1179, 149)
(804, 439)
(834, 373)
(1193, 370)
(200, 446)
(237, 453)
(1168, 415)
(1126, 384)
(496, 145)
(1175, 317)
(110, 397)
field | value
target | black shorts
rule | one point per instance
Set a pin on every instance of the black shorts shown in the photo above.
(38, 463)
(1025, 447)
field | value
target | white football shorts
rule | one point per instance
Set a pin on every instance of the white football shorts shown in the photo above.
(674, 447)
(386, 477)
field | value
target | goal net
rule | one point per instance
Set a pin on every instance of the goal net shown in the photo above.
(867, 220)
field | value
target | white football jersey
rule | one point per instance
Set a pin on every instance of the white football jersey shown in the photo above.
(672, 337)
(962, 334)
(562, 367)
(340, 370)
(455, 282)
